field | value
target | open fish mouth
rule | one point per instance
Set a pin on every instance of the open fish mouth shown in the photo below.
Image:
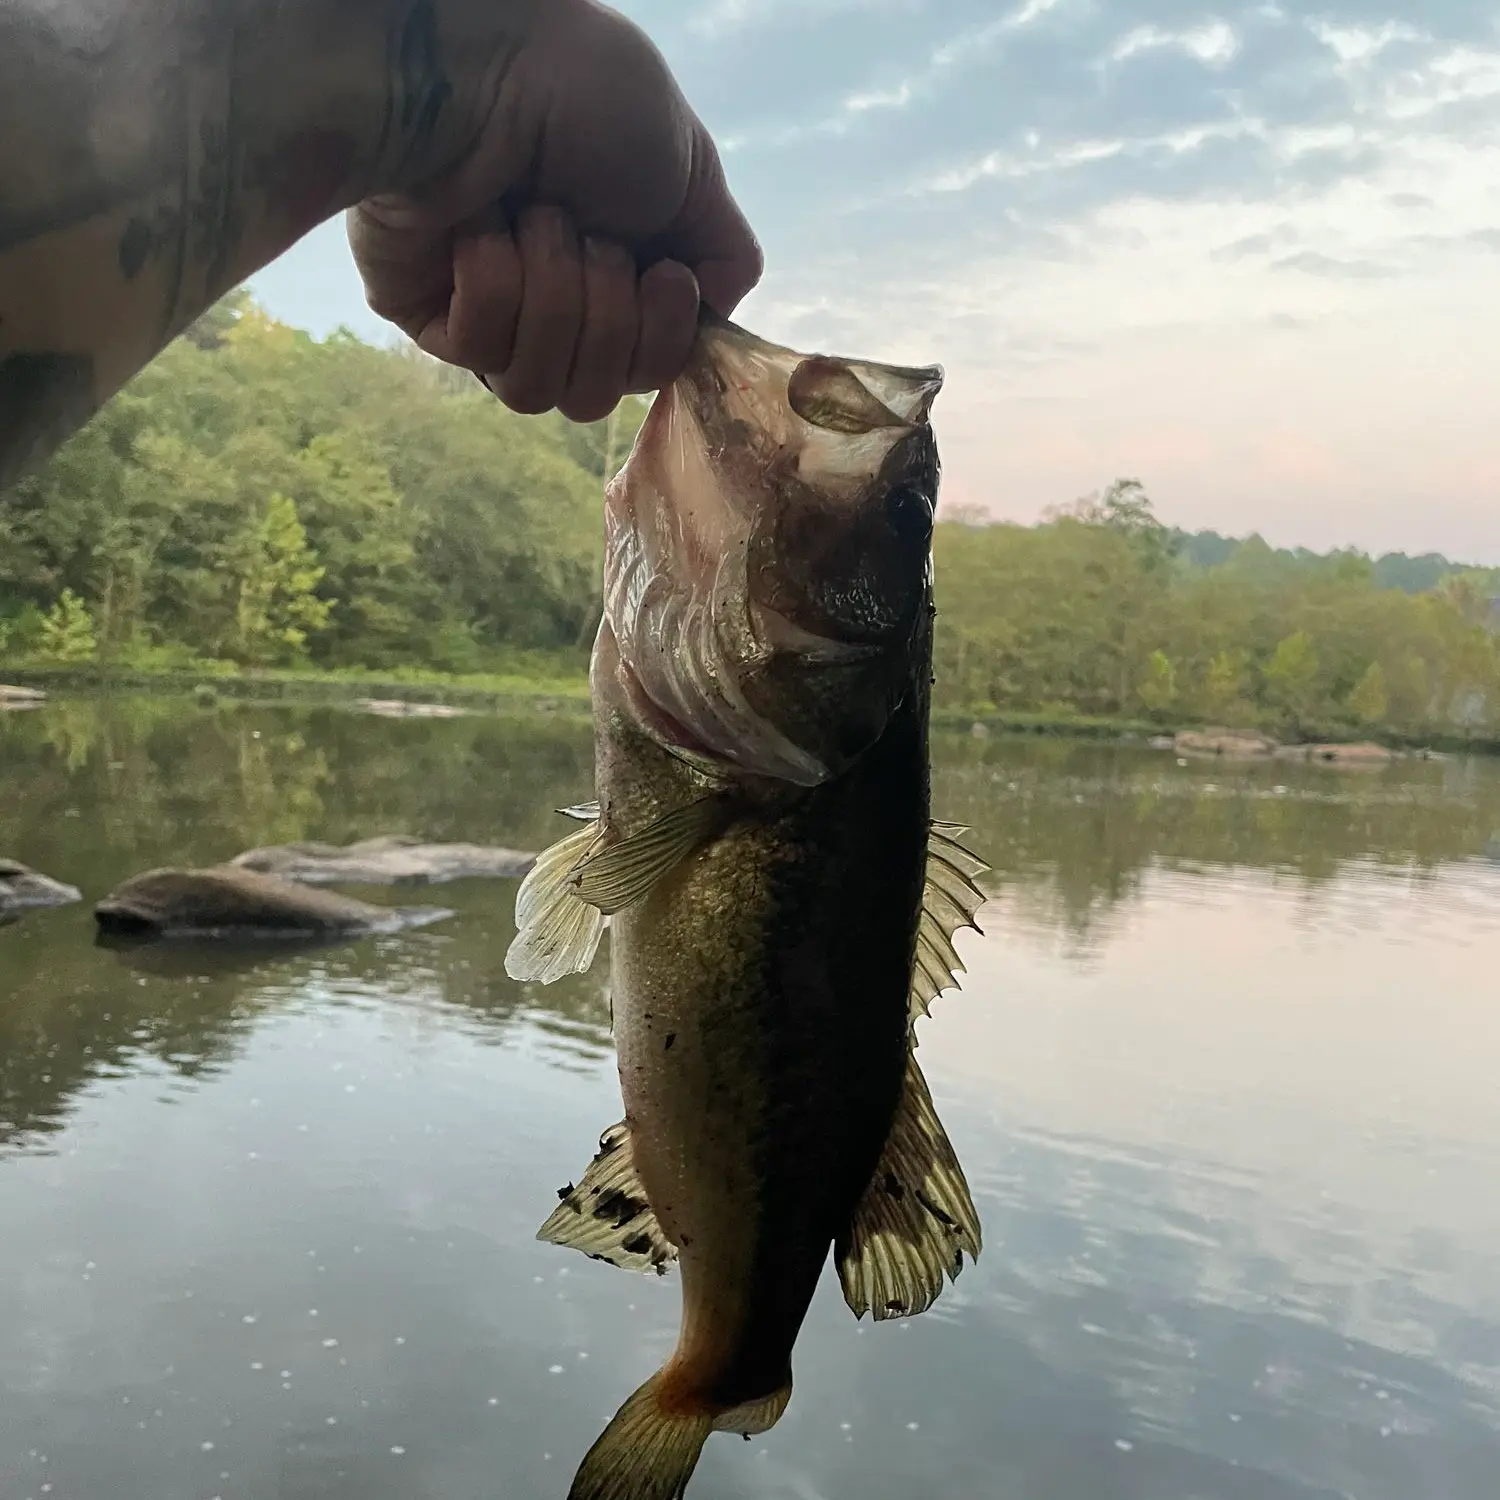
(776, 509)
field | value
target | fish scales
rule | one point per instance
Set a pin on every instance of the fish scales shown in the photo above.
(781, 905)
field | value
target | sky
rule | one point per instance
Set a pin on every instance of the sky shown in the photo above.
(1248, 254)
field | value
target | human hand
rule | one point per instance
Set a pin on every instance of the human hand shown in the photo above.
(563, 255)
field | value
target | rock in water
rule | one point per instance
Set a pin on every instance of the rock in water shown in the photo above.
(226, 902)
(1233, 744)
(393, 859)
(23, 890)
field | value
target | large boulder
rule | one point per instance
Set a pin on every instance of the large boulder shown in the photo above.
(1234, 744)
(23, 890)
(224, 902)
(392, 859)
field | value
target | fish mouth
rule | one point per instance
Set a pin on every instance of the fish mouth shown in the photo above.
(906, 392)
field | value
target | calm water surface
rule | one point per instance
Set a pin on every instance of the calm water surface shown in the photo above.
(1224, 1080)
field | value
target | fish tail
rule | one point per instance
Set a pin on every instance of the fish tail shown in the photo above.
(650, 1449)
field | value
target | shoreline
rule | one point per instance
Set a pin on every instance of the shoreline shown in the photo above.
(389, 692)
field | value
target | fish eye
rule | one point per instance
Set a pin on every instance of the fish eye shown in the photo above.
(909, 509)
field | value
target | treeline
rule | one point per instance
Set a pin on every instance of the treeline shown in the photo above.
(1099, 611)
(259, 498)
(1391, 570)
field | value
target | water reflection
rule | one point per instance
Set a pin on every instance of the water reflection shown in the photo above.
(1222, 1079)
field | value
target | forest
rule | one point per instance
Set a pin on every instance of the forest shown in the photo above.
(261, 499)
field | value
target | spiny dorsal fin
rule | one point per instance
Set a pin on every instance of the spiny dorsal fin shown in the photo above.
(950, 900)
(557, 933)
(916, 1220)
(622, 872)
(607, 1216)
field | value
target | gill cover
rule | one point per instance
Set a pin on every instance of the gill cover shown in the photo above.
(767, 551)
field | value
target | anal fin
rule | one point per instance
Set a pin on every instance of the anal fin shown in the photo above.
(917, 1219)
(607, 1216)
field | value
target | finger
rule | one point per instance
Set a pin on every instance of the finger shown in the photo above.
(405, 262)
(611, 326)
(714, 237)
(551, 313)
(479, 332)
(669, 324)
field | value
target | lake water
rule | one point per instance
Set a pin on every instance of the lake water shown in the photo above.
(1225, 1079)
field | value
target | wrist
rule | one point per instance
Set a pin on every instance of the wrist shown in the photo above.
(340, 100)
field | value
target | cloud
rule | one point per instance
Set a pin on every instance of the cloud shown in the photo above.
(1126, 214)
(1212, 43)
(1315, 263)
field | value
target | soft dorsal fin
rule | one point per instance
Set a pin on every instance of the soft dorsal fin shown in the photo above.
(917, 1219)
(619, 873)
(607, 1216)
(950, 900)
(557, 932)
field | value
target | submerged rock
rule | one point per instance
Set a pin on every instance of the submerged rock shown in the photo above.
(23, 889)
(226, 902)
(19, 697)
(394, 859)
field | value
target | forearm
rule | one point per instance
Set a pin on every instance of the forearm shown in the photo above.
(150, 161)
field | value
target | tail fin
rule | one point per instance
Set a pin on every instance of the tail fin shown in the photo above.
(646, 1452)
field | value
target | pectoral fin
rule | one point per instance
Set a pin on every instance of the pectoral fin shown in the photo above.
(607, 1215)
(950, 900)
(557, 932)
(917, 1218)
(621, 872)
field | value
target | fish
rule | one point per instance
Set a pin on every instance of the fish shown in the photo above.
(781, 904)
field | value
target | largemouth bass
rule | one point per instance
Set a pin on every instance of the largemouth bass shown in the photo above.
(781, 905)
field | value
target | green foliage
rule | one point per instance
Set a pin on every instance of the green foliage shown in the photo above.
(446, 532)
(259, 498)
(1290, 678)
(67, 633)
(1157, 688)
(1101, 612)
(278, 608)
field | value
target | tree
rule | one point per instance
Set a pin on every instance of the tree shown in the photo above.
(278, 604)
(1290, 677)
(1224, 686)
(68, 632)
(1157, 688)
(1369, 702)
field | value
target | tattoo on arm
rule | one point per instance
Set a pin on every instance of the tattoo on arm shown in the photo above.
(44, 399)
(157, 159)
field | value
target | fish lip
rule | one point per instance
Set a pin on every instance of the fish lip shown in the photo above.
(906, 391)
